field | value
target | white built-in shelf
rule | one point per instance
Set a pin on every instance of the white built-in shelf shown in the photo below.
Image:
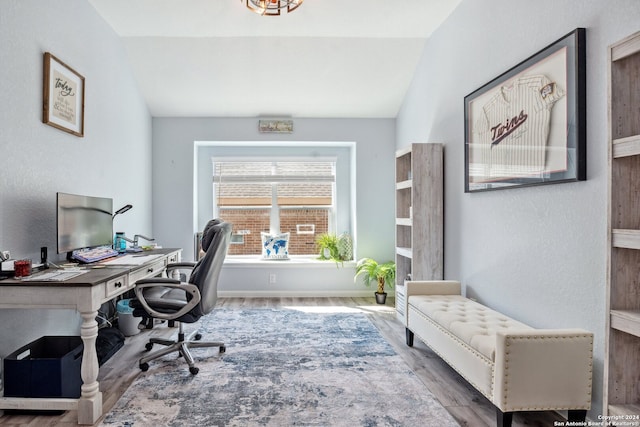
(403, 151)
(627, 47)
(404, 184)
(405, 252)
(621, 238)
(622, 340)
(419, 205)
(404, 221)
(626, 321)
(624, 147)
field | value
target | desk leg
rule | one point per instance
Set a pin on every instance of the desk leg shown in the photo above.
(90, 403)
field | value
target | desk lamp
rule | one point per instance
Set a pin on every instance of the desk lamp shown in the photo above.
(122, 210)
(135, 247)
(119, 239)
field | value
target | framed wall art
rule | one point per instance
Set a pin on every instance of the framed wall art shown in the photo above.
(528, 125)
(275, 126)
(63, 96)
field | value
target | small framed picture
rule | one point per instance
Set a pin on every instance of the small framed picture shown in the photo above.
(63, 96)
(275, 126)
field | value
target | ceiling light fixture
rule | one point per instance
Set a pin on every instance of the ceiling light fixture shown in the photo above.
(272, 7)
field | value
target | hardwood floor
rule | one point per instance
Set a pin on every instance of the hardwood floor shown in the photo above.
(466, 405)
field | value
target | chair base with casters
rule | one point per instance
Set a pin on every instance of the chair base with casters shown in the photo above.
(182, 346)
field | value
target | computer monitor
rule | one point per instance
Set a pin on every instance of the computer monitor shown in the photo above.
(83, 222)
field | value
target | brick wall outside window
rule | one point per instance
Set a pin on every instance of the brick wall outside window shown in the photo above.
(257, 220)
(303, 244)
(253, 220)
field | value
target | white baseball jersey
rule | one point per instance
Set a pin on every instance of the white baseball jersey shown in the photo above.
(513, 128)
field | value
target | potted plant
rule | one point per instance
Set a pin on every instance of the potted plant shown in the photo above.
(371, 270)
(327, 244)
(335, 248)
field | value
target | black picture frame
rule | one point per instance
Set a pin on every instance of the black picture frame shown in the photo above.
(528, 126)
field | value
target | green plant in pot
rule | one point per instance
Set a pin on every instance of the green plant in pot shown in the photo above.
(335, 248)
(327, 245)
(371, 270)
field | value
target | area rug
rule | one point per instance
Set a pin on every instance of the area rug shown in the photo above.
(282, 367)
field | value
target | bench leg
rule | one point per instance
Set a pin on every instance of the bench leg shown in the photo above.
(578, 415)
(504, 418)
(409, 336)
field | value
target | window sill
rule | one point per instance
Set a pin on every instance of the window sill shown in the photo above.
(254, 261)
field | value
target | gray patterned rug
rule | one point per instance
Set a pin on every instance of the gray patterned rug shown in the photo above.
(283, 367)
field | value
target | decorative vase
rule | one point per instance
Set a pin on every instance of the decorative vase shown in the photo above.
(381, 298)
(345, 247)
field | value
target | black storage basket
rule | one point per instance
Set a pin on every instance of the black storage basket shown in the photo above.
(47, 367)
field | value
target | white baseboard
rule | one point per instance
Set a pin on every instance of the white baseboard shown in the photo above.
(299, 294)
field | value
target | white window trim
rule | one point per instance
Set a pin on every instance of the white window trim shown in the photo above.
(204, 150)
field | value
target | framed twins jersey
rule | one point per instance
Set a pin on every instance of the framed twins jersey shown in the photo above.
(528, 125)
(513, 127)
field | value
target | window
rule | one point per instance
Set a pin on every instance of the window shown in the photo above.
(275, 195)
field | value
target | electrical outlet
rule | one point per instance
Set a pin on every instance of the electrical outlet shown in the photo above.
(6, 255)
(272, 278)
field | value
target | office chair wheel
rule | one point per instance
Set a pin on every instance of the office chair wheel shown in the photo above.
(148, 346)
(197, 337)
(193, 370)
(223, 349)
(144, 367)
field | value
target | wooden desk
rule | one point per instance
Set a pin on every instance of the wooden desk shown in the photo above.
(84, 293)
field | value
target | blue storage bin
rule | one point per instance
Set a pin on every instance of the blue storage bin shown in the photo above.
(47, 367)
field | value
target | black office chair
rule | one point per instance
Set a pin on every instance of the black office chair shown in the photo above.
(173, 300)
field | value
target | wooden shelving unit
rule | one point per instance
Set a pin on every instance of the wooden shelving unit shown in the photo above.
(419, 216)
(622, 354)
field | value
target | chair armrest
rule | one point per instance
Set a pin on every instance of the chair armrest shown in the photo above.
(188, 288)
(158, 280)
(181, 265)
(543, 369)
(172, 270)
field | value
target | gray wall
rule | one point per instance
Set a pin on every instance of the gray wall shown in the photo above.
(538, 254)
(113, 159)
(175, 221)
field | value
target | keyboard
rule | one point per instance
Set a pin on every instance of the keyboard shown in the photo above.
(54, 276)
(95, 254)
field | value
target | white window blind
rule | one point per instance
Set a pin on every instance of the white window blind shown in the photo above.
(234, 172)
(292, 182)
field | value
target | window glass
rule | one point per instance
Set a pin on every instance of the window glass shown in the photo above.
(275, 196)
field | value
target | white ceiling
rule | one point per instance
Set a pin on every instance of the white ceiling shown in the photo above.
(328, 58)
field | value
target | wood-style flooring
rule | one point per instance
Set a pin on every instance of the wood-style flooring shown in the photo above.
(466, 405)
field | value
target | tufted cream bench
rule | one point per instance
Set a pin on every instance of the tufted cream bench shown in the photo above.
(517, 367)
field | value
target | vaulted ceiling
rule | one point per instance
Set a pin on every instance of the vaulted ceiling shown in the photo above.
(328, 58)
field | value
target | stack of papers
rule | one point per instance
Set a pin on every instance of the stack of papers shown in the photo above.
(54, 276)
